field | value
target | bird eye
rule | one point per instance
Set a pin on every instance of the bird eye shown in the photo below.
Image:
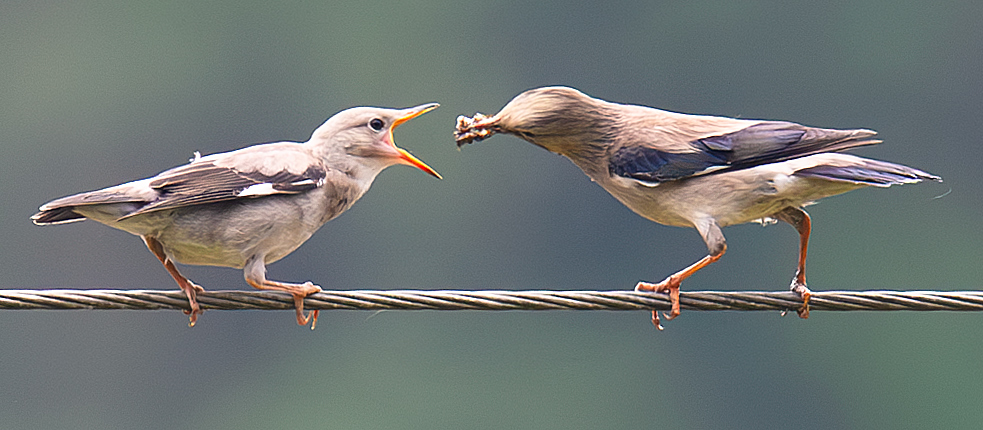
(376, 124)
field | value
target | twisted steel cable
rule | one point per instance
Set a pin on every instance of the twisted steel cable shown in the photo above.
(495, 300)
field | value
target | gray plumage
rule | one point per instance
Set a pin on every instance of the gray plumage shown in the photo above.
(698, 171)
(253, 206)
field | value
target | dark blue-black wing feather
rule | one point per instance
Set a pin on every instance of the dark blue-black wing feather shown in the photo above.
(761, 143)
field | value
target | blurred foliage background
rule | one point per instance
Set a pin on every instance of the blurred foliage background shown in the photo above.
(97, 92)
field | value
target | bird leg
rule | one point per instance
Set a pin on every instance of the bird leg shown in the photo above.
(190, 288)
(255, 272)
(798, 218)
(717, 246)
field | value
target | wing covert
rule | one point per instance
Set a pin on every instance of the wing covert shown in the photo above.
(204, 182)
(761, 143)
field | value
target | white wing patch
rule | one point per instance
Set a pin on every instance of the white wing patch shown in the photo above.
(316, 183)
(263, 189)
(630, 182)
(269, 188)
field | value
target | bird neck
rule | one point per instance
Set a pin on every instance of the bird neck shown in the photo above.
(361, 170)
(585, 146)
(356, 172)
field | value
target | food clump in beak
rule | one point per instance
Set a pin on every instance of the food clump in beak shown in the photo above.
(472, 129)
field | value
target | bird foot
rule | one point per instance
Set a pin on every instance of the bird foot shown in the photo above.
(804, 292)
(192, 290)
(669, 285)
(302, 292)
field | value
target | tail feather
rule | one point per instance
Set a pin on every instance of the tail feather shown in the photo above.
(868, 172)
(62, 210)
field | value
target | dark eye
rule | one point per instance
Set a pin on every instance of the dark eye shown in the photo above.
(376, 124)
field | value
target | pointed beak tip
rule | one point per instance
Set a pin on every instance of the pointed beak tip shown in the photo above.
(413, 112)
(424, 167)
(430, 171)
(409, 159)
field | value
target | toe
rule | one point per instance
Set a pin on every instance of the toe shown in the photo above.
(655, 320)
(310, 288)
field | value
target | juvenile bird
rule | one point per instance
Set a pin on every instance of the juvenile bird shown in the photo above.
(253, 206)
(704, 172)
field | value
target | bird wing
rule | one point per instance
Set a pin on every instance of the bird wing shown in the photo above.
(257, 171)
(759, 143)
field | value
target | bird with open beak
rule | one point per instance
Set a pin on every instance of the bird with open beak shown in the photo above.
(704, 172)
(253, 206)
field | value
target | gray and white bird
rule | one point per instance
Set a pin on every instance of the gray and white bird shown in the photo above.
(253, 206)
(704, 172)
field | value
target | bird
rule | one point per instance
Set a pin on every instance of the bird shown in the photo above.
(698, 171)
(253, 206)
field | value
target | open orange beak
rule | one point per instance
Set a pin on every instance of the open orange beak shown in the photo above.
(404, 156)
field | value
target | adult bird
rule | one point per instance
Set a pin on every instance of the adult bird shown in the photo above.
(704, 172)
(253, 206)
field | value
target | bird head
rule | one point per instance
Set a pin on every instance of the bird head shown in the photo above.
(560, 119)
(364, 136)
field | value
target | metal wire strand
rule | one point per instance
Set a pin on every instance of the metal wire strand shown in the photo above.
(495, 300)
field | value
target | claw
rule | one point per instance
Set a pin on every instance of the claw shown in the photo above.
(311, 316)
(804, 310)
(803, 291)
(193, 313)
(655, 320)
(669, 285)
(192, 293)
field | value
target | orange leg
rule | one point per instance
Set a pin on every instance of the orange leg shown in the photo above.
(799, 219)
(671, 286)
(255, 272)
(717, 246)
(190, 289)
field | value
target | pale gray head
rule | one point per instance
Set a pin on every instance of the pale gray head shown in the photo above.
(560, 119)
(364, 136)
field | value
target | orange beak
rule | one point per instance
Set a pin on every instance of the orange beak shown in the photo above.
(404, 156)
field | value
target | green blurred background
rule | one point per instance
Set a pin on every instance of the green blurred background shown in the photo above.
(93, 93)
